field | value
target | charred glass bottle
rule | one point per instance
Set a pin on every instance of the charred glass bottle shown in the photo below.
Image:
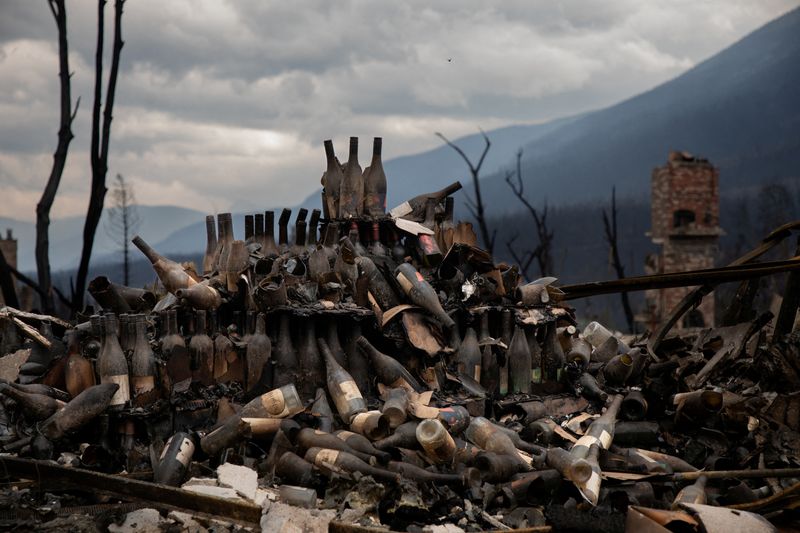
(111, 364)
(201, 351)
(171, 274)
(421, 293)
(341, 386)
(375, 182)
(143, 361)
(519, 363)
(286, 365)
(351, 191)
(333, 178)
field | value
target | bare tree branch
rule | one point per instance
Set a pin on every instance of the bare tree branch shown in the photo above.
(99, 142)
(65, 136)
(477, 209)
(611, 238)
(542, 251)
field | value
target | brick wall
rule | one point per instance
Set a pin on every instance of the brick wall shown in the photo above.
(685, 221)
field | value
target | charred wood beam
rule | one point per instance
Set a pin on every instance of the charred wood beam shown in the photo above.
(45, 472)
(679, 279)
(791, 299)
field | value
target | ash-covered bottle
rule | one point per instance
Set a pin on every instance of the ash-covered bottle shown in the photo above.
(35, 406)
(341, 386)
(376, 247)
(375, 182)
(257, 356)
(111, 364)
(283, 230)
(387, 369)
(201, 351)
(429, 249)
(351, 191)
(269, 249)
(312, 370)
(421, 293)
(81, 410)
(172, 275)
(519, 363)
(211, 245)
(174, 461)
(332, 180)
(469, 357)
(286, 365)
(143, 361)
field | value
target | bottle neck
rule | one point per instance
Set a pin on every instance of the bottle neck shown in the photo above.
(211, 232)
(200, 323)
(261, 324)
(353, 150)
(249, 227)
(269, 226)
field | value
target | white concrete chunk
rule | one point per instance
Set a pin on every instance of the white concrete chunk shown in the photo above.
(219, 492)
(140, 521)
(240, 478)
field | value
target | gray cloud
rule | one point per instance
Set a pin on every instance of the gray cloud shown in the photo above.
(227, 103)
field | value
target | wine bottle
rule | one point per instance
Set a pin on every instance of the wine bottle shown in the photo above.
(291, 468)
(376, 247)
(414, 209)
(81, 410)
(347, 462)
(341, 386)
(201, 351)
(519, 363)
(579, 353)
(435, 440)
(249, 228)
(270, 249)
(171, 274)
(387, 369)
(536, 355)
(694, 493)
(483, 433)
(200, 296)
(313, 225)
(590, 389)
(286, 365)
(41, 388)
(257, 356)
(380, 289)
(321, 409)
(258, 230)
(224, 352)
(429, 250)
(601, 431)
(617, 370)
(283, 230)
(455, 418)
(174, 461)
(468, 357)
(332, 338)
(375, 182)
(111, 364)
(173, 349)
(143, 361)
(371, 424)
(333, 178)
(278, 403)
(351, 190)
(35, 406)
(634, 406)
(300, 228)
(79, 373)
(490, 371)
(308, 438)
(404, 436)
(421, 293)
(362, 444)
(415, 473)
(497, 468)
(395, 407)
(312, 369)
(357, 359)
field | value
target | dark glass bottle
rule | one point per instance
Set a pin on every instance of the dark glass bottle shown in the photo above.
(341, 386)
(201, 351)
(519, 363)
(286, 365)
(111, 364)
(283, 230)
(351, 191)
(333, 178)
(421, 293)
(270, 249)
(257, 356)
(468, 358)
(143, 361)
(312, 370)
(375, 182)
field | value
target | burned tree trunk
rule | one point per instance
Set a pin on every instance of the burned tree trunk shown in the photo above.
(99, 143)
(613, 248)
(65, 135)
(476, 207)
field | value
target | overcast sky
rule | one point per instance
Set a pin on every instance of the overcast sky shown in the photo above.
(225, 104)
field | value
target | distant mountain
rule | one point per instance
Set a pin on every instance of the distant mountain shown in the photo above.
(66, 235)
(740, 109)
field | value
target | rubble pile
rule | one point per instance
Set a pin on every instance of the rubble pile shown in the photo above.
(381, 370)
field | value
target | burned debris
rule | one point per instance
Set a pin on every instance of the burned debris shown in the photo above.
(380, 370)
